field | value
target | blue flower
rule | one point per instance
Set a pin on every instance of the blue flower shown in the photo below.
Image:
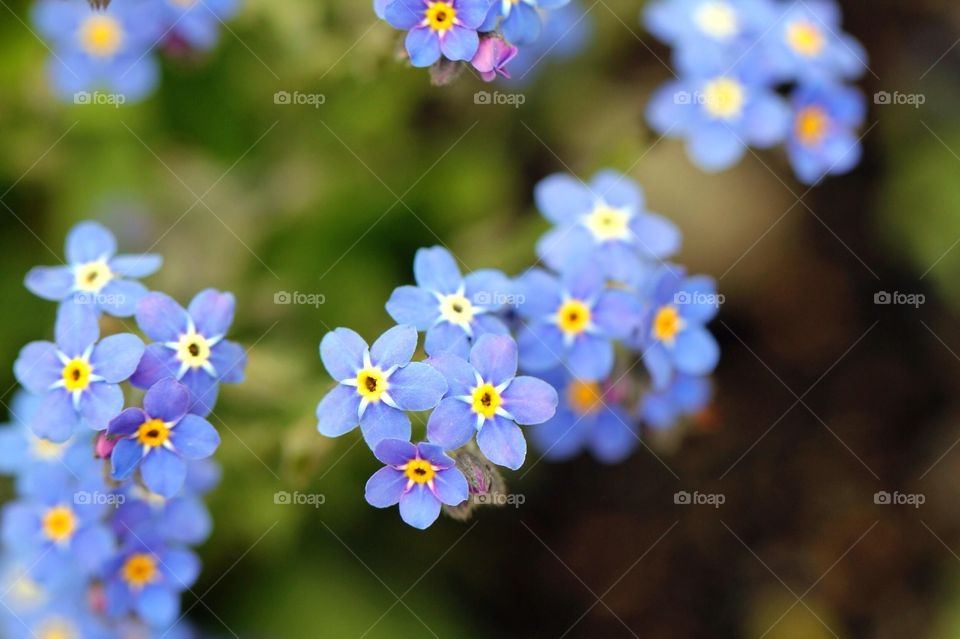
(375, 385)
(809, 45)
(160, 438)
(190, 346)
(452, 309)
(195, 23)
(589, 417)
(77, 377)
(486, 398)
(674, 337)
(419, 477)
(572, 321)
(823, 140)
(147, 578)
(604, 221)
(101, 49)
(436, 27)
(182, 519)
(519, 20)
(684, 395)
(566, 31)
(719, 115)
(95, 275)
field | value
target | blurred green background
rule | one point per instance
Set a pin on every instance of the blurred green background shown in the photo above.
(246, 195)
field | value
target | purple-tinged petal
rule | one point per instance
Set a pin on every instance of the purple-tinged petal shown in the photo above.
(436, 270)
(423, 46)
(125, 458)
(530, 400)
(385, 487)
(501, 441)
(194, 438)
(435, 455)
(56, 419)
(413, 305)
(100, 403)
(450, 487)
(158, 362)
(229, 359)
(591, 358)
(337, 411)
(204, 390)
(417, 386)
(342, 353)
(459, 43)
(419, 507)
(167, 400)
(212, 312)
(395, 452)
(76, 329)
(116, 357)
(38, 367)
(495, 358)
(127, 422)
(163, 472)
(136, 265)
(161, 318)
(452, 424)
(381, 422)
(52, 283)
(395, 347)
(89, 242)
(458, 372)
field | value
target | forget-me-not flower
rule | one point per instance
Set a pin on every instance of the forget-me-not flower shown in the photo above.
(438, 27)
(823, 139)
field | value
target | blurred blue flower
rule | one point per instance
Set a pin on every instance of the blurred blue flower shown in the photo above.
(419, 477)
(519, 20)
(823, 140)
(376, 385)
(77, 377)
(605, 222)
(452, 309)
(190, 346)
(160, 438)
(447, 27)
(195, 23)
(684, 395)
(486, 398)
(566, 31)
(572, 320)
(95, 275)
(106, 49)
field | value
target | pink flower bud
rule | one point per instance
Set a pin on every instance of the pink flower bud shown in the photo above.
(104, 446)
(492, 57)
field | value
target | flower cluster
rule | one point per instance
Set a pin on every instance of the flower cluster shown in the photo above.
(111, 48)
(760, 73)
(575, 333)
(448, 35)
(110, 499)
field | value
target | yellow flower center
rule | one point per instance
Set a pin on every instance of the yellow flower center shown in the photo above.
(59, 524)
(584, 397)
(717, 19)
(441, 16)
(101, 36)
(92, 276)
(805, 38)
(153, 433)
(193, 349)
(486, 400)
(723, 98)
(456, 309)
(372, 384)
(47, 450)
(607, 223)
(667, 323)
(419, 471)
(811, 125)
(76, 375)
(140, 570)
(573, 317)
(56, 628)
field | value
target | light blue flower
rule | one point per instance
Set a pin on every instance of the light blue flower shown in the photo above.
(95, 276)
(435, 27)
(605, 222)
(418, 477)
(519, 20)
(195, 23)
(683, 396)
(453, 310)
(376, 386)
(487, 399)
(566, 32)
(823, 140)
(76, 376)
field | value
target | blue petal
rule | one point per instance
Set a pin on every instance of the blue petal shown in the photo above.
(158, 605)
(56, 420)
(450, 487)
(656, 358)
(89, 242)
(167, 400)
(656, 236)
(452, 424)
(715, 147)
(447, 338)
(560, 438)
(161, 318)
(423, 47)
(435, 455)
(695, 351)
(767, 119)
(522, 26)
(458, 372)
(76, 329)
(136, 265)
(404, 14)
(342, 353)
(562, 199)
(460, 43)
(618, 190)
(100, 403)
(417, 386)
(530, 400)
(501, 441)
(385, 487)
(540, 294)
(337, 411)
(182, 567)
(116, 357)
(195, 438)
(419, 507)
(125, 458)
(121, 297)
(187, 520)
(52, 283)
(413, 305)
(229, 359)
(495, 358)
(617, 313)
(38, 367)
(591, 358)
(436, 270)
(163, 472)
(488, 288)
(382, 422)
(395, 347)
(703, 301)
(395, 452)
(472, 13)
(158, 362)
(212, 312)
(613, 436)
(93, 547)
(541, 347)
(204, 389)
